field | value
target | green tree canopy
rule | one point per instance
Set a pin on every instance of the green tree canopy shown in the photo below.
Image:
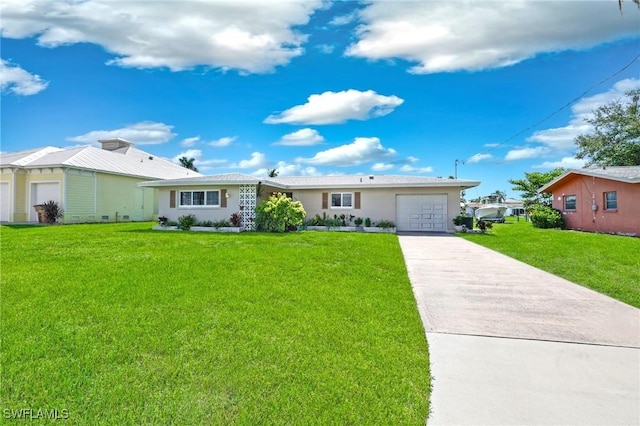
(188, 163)
(530, 185)
(615, 139)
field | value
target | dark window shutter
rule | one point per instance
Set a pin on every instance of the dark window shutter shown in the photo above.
(325, 200)
(357, 200)
(172, 199)
(223, 198)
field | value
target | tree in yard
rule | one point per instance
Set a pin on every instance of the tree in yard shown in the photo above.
(615, 139)
(188, 163)
(272, 173)
(530, 185)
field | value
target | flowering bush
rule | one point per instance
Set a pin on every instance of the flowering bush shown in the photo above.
(279, 213)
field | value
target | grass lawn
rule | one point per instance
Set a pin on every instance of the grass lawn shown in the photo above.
(118, 324)
(609, 264)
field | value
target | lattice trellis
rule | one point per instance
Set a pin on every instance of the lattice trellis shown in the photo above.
(248, 205)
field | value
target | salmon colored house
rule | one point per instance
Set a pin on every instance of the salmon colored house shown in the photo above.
(599, 199)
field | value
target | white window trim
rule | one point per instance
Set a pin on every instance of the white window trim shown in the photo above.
(198, 206)
(611, 209)
(342, 207)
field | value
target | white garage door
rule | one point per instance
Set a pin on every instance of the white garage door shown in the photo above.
(421, 212)
(4, 201)
(41, 193)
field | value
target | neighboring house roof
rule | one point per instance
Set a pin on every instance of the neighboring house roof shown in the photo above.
(627, 174)
(127, 161)
(22, 158)
(308, 182)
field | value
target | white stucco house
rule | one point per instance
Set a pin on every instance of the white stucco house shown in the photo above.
(413, 203)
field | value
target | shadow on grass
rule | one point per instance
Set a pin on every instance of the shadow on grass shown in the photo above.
(23, 225)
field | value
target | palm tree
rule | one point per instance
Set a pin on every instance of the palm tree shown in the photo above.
(188, 163)
(272, 173)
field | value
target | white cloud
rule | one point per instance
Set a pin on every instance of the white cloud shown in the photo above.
(344, 19)
(451, 36)
(287, 169)
(326, 48)
(478, 158)
(243, 34)
(338, 107)
(16, 80)
(302, 137)
(189, 142)
(222, 142)
(199, 162)
(410, 169)
(196, 154)
(360, 151)
(382, 167)
(563, 138)
(142, 133)
(257, 160)
(565, 163)
(527, 152)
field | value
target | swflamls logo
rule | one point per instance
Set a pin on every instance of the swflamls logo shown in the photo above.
(36, 414)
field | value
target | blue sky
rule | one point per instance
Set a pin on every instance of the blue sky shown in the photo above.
(317, 87)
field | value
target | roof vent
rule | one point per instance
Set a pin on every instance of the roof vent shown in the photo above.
(370, 177)
(114, 144)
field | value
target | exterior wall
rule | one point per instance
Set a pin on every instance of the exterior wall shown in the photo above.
(85, 196)
(213, 214)
(590, 190)
(80, 196)
(118, 198)
(375, 203)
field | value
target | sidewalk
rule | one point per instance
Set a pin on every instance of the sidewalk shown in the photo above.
(511, 344)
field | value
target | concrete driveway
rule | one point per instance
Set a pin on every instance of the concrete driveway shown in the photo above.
(512, 345)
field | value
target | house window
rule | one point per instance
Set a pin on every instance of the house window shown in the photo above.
(341, 200)
(610, 200)
(200, 198)
(570, 202)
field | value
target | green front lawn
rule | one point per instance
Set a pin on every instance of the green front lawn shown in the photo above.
(122, 325)
(609, 264)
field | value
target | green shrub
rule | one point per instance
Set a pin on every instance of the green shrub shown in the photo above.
(358, 221)
(186, 222)
(385, 224)
(333, 223)
(279, 213)
(205, 224)
(546, 217)
(222, 223)
(367, 222)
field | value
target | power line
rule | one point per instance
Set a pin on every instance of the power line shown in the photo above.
(565, 106)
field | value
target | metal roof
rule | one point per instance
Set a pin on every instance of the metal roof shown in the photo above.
(309, 182)
(628, 174)
(129, 162)
(229, 179)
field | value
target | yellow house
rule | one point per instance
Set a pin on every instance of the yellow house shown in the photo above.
(91, 184)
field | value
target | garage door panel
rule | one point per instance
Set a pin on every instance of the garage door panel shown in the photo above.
(41, 192)
(421, 212)
(4, 201)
